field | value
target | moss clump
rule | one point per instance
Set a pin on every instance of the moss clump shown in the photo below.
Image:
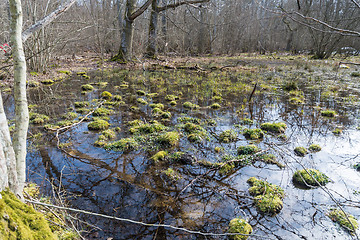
(190, 105)
(153, 95)
(195, 137)
(20, 221)
(47, 82)
(65, 123)
(99, 124)
(253, 134)
(123, 145)
(165, 115)
(81, 104)
(168, 138)
(108, 134)
(117, 98)
(296, 100)
(247, 121)
(171, 97)
(238, 225)
(193, 128)
(310, 177)
(147, 128)
(87, 87)
(314, 148)
(215, 106)
(106, 95)
(157, 105)
(67, 72)
(37, 118)
(346, 221)
(300, 151)
(328, 113)
(270, 159)
(33, 84)
(69, 116)
(274, 127)
(247, 150)
(228, 136)
(171, 174)
(82, 110)
(268, 196)
(140, 92)
(189, 120)
(173, 103)
(159, 156)
(102, 112)
(142, 101)
(337, 131)
(216, 98)
(136, 122)
(355, 74)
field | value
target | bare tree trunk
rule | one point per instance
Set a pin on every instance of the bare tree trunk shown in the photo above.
(127, 33)
(151, 48)
(21, 106)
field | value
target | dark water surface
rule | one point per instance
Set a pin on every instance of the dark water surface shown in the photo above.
(130, 185)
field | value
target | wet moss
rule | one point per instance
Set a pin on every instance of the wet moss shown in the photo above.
(142, 101)
(274, 127)
(310, 177)
(247, 121)
(171, 98)
(270, 159)
(67, 72)
(98, 125)
(153, 95)
(123, 145)
(189, 120)
(328, 113)
(268, 196)
(81, 104)
(106, 95)
(102, 112)
(82, 110)
(117, 98)
(108, 134)
(159, 156)
(173, 103)
(33, 84)
(168, 138)
(171, 174)
(215, 106)
(247, 150)
(193, 128)
(165, 115)
(337, 131)
(296, 100)
(195, 137)
(216, 98)
(190, 105)
(37, 118)
(135, 123)
(300, 151)
(253, 134)
(65, 123)
(87, 87)
(355, 74)
(140, 92)
(47, 82)
(239, 225)
(228, 136)
(20, 221)
(147, 128)
(345, 220)
(157, 105)
(69, 116)
(314, 148)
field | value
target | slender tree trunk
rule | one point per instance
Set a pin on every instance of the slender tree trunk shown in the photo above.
(151, 48)
(21, 106)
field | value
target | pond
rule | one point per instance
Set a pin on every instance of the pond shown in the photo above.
(172, 130)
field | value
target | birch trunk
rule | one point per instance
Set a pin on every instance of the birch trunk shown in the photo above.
(21, 106)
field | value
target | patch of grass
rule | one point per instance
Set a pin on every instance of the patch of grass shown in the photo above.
(310, 177)
(355, 74)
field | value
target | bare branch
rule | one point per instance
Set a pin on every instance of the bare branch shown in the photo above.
(181, 3)
(140, 10)
(46, 20)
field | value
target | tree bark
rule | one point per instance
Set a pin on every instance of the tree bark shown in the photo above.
(21, 106)
(153, 26)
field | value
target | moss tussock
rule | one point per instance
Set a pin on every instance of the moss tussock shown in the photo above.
(239, 225)
(310, 177)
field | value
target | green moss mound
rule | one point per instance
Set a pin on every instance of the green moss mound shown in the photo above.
(268, 196)
(228, 136)
(314, 148)
(159, 156)
(168, 138)
(247, 150)
(20, 221)
(102, 112)
(215, 106)
(239, 225)
(98, 125)
(147, 128)
(310, 177)
(253, 134)
(123, 145)
(87, 87)
(328, 113)
(190, 105)
(300, 151)
(106, 95)
(349, 222)
(274, 127)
